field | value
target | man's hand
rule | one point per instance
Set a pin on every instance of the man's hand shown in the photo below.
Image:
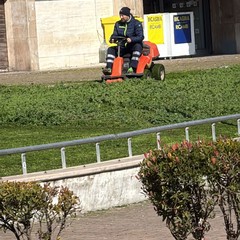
(129, 40)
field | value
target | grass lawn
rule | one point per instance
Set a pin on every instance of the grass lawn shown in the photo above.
(38, 114)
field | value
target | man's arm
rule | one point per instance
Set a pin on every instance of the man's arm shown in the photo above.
(115, 33)
(138, 29)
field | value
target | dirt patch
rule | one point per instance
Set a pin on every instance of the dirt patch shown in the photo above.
(94, 72)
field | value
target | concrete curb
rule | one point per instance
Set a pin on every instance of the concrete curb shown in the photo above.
(80, 171)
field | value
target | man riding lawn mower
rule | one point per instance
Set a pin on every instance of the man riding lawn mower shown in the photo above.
(132, 57)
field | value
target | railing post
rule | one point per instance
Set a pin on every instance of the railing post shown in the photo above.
(63, 157)
(129, 147)
(214, 132)
(187, 133)
(238, 123)
(24, 163)
(98, 152)
(158, 140)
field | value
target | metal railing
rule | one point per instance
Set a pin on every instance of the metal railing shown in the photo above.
(128, 135)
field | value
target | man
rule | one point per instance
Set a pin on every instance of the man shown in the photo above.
(132, 30)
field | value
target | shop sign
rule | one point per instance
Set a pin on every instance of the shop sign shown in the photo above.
(155, 28)
(182, 28)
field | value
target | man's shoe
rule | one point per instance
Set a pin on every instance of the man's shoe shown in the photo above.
(107, 71)
(130, 70)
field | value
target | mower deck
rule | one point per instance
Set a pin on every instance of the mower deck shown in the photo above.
(120, 78)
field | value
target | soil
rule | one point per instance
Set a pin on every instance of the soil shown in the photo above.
(90, 73)
(137, 221)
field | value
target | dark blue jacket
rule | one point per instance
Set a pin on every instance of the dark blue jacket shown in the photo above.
(132, 29)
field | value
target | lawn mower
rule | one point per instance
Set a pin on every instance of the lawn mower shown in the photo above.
(146, 67)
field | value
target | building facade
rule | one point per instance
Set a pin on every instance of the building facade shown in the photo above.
(48, 34)
(216, 22)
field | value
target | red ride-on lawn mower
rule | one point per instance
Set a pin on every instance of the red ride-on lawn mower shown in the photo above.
(146, 67)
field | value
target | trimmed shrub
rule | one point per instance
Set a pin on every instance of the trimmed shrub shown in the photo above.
(225, 182)
(186, 181)
(27, 204)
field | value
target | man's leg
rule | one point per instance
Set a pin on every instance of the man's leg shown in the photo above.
(111, 55)
(136, 53)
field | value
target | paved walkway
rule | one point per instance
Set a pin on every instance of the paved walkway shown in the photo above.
(134, 222)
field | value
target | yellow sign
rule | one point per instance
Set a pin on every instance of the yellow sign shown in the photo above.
(155, 28)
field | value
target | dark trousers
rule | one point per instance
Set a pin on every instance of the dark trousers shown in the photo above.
(135, 50)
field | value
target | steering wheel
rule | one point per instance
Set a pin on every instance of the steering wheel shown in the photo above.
(118, 39)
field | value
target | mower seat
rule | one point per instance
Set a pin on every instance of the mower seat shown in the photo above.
(146, 49)
(153, 49)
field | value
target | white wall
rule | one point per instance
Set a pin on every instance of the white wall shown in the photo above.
(105, 190)
(69, 32)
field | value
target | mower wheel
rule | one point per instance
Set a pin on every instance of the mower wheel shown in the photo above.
(147, 74)
(158, 72)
